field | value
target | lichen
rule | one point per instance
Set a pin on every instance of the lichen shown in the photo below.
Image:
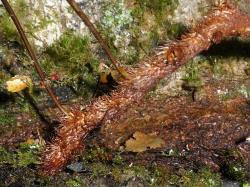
(30, 23)
(134, 27)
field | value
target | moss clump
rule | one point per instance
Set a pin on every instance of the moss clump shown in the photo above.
(120, 174)
(7, 28)
(75, 182)
(185, 178)
(118, 160)
(235, 171)
(157, 7)
(71, 58)
(6, 119)
(6, 157)
(204, 177)
(103, 163)
(163, 175)
(192, 81)
(99, 169)
(25, 155)
(234, 166)
(97, 155)
(28, 154)
(174, 30)
(192, 78)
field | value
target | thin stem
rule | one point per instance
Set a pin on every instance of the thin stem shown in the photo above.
(94, 31)
(32, 54)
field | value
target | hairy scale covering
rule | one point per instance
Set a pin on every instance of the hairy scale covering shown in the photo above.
(221, 22)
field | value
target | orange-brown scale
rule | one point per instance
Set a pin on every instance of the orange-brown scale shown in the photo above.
(222, 22)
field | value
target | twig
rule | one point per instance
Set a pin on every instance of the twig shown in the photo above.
(97, 35)
(224, 21)
(32, 54)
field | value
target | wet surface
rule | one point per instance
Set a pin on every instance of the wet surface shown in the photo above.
(204, 127)
(198, 131)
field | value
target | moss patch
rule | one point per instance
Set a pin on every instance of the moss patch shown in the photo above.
(6, 119)
(72, 61)
(25, 155)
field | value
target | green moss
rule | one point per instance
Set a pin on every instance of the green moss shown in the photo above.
(104, 163)
(163, 176)
(7, 28)
(218, 68)
(158, 7)
(97, 155)
(235, 171)
(192, 80)
(6, 157)
(25, 155)
(72, 59)
(28, 154)
(99, 169)
(244, 91)
(138, 171)
(204, 177)
(75, 182)
(6, 119)
(234, 165)
(118, 160)
(120, 174)
(71, 53)
(174, 30)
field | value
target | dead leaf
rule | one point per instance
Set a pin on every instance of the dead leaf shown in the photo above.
(18, 83)
(141, 142)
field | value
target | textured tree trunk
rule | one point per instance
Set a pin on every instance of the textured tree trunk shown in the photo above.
(223, 21)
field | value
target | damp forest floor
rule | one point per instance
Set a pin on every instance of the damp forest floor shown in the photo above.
(198, 136)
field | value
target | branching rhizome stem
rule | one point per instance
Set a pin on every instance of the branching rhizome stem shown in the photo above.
(223, 21)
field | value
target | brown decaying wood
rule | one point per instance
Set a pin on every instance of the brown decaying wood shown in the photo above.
(32, 54)
(223, 21)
